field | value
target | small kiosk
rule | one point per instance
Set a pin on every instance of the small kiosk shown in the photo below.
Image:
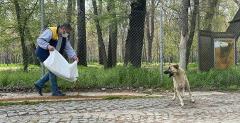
(218, 49)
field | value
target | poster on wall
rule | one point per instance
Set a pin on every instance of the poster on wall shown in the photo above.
(224, 54)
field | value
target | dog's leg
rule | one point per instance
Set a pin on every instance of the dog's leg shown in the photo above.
(175, 93)
(179, 97)
(174, 89)
(182, 92)
(190, 94)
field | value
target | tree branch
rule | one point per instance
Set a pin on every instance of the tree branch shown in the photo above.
(237, 2)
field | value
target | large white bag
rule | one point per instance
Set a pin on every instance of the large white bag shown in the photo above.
(58, 65)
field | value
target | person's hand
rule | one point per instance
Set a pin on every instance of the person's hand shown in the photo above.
(75, 58)
(50, 48)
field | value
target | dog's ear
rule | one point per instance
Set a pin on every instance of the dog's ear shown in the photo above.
(176, 66)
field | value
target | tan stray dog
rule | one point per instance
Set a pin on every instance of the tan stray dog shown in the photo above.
(180, 82)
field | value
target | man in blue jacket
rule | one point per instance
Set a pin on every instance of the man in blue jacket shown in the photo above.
(53, 38)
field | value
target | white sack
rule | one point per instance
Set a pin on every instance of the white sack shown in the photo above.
(58, 65)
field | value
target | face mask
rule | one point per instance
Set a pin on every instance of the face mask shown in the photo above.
(65, 35)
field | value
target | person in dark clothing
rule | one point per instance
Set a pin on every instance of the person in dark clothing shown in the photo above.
(53, 38)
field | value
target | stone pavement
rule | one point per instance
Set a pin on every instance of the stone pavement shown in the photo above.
(210, 107)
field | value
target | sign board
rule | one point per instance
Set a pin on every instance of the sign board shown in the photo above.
(224, 53)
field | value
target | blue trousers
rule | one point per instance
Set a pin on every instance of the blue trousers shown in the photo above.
(53, 79)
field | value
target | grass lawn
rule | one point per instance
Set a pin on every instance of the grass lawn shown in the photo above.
(94, 77)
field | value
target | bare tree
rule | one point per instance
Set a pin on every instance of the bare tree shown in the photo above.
(150, 29)
(184, 33)
(192, 28)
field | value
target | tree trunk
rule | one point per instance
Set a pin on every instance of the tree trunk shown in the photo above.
(55, 2)
(69, 20)
(212, 4)
(134, 42)
(148, 35)
(82, 46)
(20, 27)
(42, 12)
(150, 29)
(184, 33)
(99, 11)
(74, 35)
(32, 47)
(7, 60)
(100, 7)
(113, 29)
(144, 51)
(101, 46)
(192, 28)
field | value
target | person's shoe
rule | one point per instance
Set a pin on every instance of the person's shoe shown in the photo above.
(39, 89)
(58, 94)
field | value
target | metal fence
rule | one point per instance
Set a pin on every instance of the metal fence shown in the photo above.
(157, 42)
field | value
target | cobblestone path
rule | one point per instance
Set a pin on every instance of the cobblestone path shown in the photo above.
(210, 107)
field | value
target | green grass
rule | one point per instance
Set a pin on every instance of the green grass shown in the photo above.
(94, 76)
(228, 79)
(97, 77)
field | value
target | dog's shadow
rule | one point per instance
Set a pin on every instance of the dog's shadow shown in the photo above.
(187, 104)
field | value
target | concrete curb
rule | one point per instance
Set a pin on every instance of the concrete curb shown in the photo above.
(72, 96)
